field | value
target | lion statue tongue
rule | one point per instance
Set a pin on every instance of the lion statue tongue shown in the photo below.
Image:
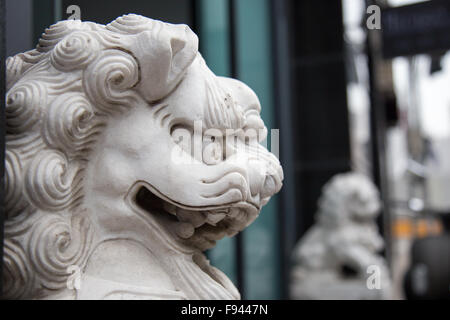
(126, 159)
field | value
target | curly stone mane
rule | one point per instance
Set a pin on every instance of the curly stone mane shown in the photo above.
(346, 197)
(59, 98)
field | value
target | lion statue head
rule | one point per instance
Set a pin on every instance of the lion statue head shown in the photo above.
(126, 158)
(348, 198)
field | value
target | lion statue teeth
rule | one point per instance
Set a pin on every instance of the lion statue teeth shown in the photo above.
(126, 159)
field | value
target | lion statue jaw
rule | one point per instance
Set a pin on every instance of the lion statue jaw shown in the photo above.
(126, 159)
(339, 255)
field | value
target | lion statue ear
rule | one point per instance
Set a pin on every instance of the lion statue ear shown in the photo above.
(163, 53)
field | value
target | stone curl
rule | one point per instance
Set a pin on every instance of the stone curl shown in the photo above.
(59, 98)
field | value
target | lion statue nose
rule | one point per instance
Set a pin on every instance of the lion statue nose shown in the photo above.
(265, 179)
(269, 187)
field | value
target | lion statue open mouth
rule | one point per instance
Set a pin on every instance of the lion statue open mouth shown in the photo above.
(126, 159)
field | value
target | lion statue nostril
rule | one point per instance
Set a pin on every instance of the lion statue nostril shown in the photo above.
(264, 178)
(269, 188)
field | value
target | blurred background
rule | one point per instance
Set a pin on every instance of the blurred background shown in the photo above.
(348, 88)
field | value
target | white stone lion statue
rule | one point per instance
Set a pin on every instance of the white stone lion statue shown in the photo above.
(104, 197)
(338, 258)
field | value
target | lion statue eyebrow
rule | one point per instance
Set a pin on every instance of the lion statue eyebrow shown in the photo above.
(98, 204)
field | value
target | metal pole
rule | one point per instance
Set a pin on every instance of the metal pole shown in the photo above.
(288, 212)
(2, 128)
(378, 129)
(235, 74)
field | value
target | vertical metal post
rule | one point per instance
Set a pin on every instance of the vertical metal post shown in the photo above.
(378, 130)
(235, 74)
(58, 10)
(287, 211)
(43, 16)
(2, 129)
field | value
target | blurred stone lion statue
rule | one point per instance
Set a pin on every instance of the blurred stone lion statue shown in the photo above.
(338, 257)
(104, 197)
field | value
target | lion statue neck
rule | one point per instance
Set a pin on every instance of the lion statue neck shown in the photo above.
(125, 265)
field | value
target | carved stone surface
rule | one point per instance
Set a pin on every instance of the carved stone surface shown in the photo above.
(106, 199)
(338, 257)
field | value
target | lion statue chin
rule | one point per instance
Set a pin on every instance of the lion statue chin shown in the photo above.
(126, 159)
(338, 257)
